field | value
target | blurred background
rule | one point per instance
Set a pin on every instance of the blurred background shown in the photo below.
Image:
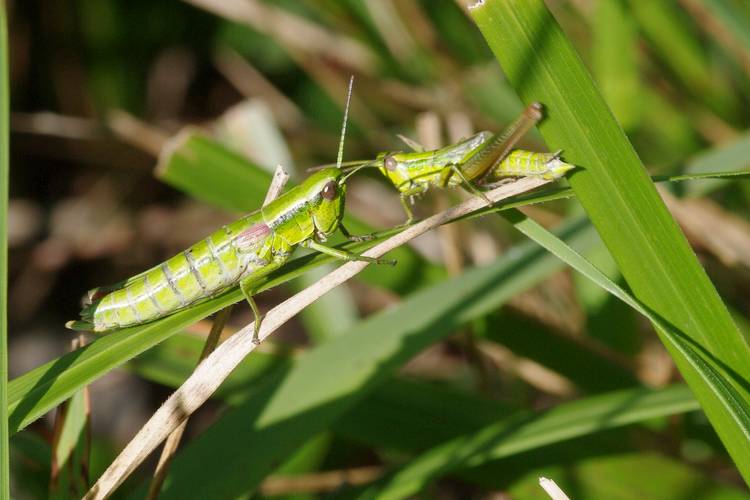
(99, 87)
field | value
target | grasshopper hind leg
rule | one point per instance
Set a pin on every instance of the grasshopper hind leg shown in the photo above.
(247, 291)
(470, 186)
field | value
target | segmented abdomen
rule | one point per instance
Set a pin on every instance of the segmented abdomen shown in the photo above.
(203, 270)
(520, 163)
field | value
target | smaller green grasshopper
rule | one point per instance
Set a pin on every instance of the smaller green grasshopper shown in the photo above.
(478, 162)
(239, 253)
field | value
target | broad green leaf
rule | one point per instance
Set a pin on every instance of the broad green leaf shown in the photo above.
(621, 201)
(670, 33)
(409, 416)
(627, 476)
(330, 379)
(308, 458)
(473, 449)
(36, 392)
(195, 163)
(526, 431)
(615, 60)
(4, 134)
(563, 355)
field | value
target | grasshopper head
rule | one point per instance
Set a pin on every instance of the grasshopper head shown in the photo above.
(393, 168)
(326, 190)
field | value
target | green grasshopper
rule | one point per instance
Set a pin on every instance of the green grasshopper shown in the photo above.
(239, 253)
(480, 161)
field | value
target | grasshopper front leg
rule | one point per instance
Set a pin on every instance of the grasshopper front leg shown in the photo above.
(343, 254)
(246, 286)
(406, 197)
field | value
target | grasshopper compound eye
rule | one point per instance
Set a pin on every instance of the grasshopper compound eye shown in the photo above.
(390, 163)
(329, 191)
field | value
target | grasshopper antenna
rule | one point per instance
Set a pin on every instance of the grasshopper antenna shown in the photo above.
(340, 156)
(358, 164)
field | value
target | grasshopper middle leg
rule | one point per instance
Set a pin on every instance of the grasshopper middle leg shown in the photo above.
(247, 290)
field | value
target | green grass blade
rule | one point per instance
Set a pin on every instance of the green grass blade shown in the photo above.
(669, 32)
(615, 60)
(557, 193)
(613, 187)
(34, 393)
(198, 165)
(524, 432)
(625, 475)
(4, 166)
(704, 363)
(72, 448)
(735, 155)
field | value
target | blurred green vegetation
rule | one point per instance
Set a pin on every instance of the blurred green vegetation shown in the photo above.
(477, 331)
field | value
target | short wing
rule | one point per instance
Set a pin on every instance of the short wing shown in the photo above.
(253, 237)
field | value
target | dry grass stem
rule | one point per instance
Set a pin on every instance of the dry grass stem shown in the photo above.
(535, 374)
(173, 441)
(251, 83)
(210, 374)
(56, 125)
(279, 180)
(711, 227)
(320, 482)
(552, 489)
(136, 132)
(714, 27)
(294, 31)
